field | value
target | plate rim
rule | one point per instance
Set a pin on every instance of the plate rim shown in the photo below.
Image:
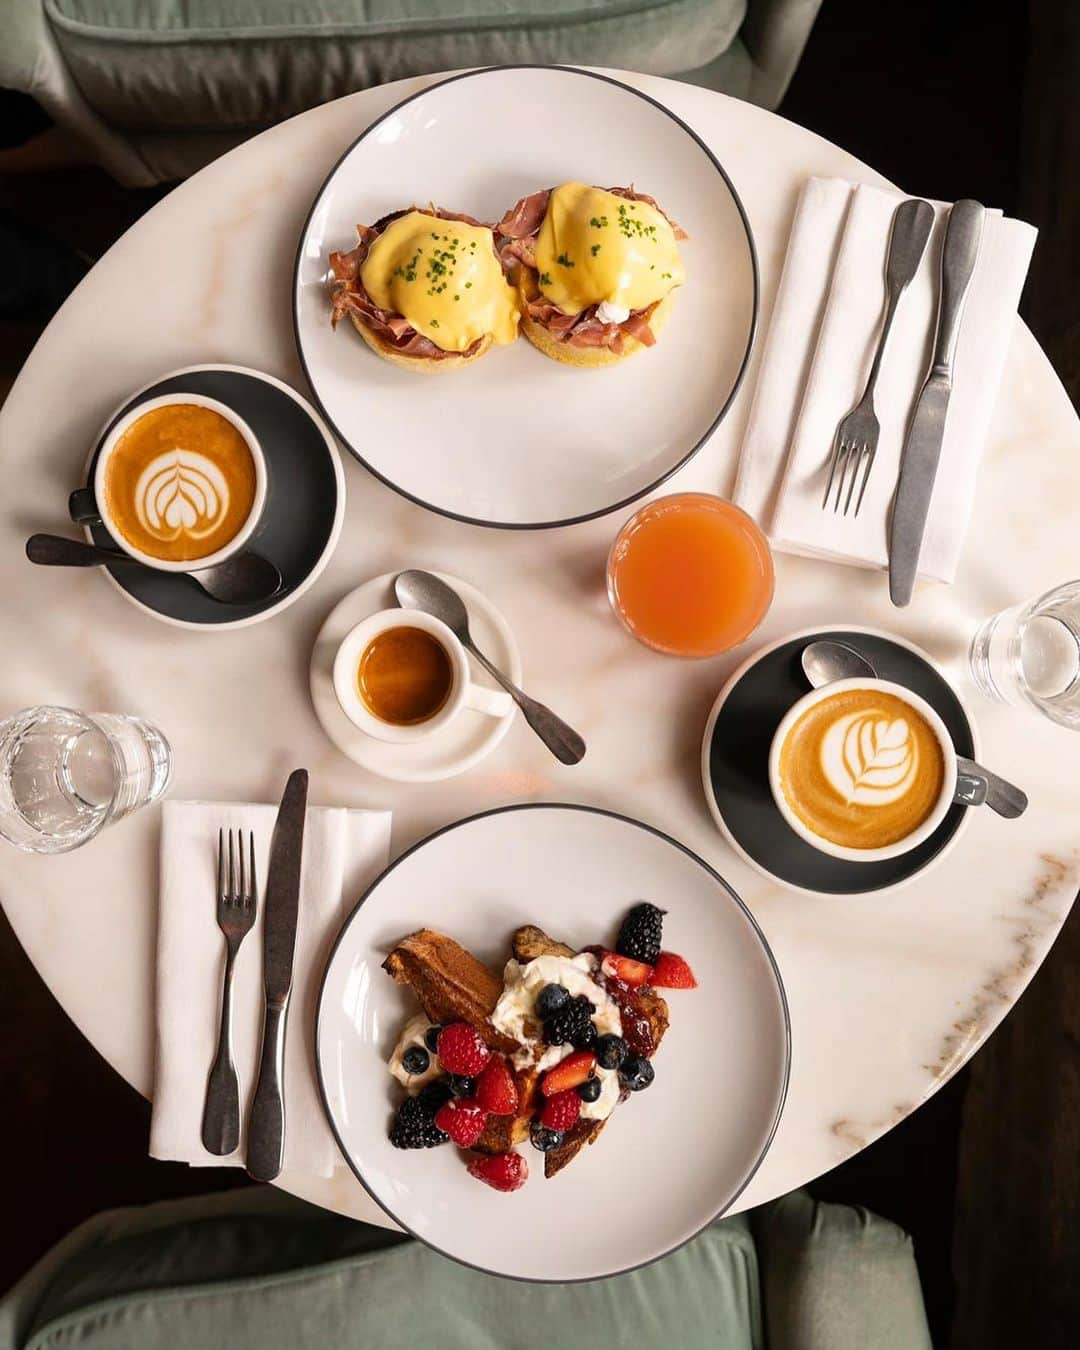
(706, 752)
(751, 338)
(333, 454)
(585, 808)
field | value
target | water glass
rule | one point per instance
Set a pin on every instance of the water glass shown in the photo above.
(65, 775)
(1030, 655)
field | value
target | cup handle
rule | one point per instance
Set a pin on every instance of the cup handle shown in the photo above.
(82, 507)
(493, 702)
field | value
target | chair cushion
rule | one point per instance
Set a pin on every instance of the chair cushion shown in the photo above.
(215, 64)
(250, 1282)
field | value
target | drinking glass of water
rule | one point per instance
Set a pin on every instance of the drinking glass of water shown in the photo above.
(1030, 655)
(64, 775)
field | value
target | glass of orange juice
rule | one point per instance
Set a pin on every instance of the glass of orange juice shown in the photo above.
(690, 575)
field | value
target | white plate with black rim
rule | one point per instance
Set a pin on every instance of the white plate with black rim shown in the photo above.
(671, 1158)
(518, 440)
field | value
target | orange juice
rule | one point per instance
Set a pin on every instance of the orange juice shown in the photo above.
(690, 575)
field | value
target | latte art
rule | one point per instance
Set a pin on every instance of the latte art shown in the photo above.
(180, 483)
(862, 768)
(182, 492)
(869, 760)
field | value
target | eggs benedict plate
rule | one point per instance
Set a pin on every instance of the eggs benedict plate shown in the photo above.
(596, 270)
(425, 289)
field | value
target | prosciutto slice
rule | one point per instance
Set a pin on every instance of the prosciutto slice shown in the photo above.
(516, 237)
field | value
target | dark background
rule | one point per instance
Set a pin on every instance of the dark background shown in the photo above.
(970, 98)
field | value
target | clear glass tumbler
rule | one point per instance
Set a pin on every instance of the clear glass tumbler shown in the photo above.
(1030, 655)
(64, 775)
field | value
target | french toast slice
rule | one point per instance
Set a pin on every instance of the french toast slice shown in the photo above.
(451, 984)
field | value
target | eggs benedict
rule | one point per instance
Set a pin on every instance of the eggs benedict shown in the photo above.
(425, 289)
(596, 270)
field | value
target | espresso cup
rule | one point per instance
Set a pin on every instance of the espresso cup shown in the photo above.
(464, 693)
(872, 758)
(199, 489)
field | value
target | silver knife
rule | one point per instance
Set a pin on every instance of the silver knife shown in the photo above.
(266, 1128)
(922, 447)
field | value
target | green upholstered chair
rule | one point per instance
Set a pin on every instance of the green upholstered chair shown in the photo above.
(157, 88)
(255, 1270)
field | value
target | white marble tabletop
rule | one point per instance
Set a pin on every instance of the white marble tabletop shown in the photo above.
(889, 995)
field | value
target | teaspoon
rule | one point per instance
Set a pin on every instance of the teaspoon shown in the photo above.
(424, 591)
(825, 661)
(244, 579)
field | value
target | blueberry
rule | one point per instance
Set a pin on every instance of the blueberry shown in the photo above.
(415, 1060)
(610, 1051)
(589, 1091)
(585, 1037)
(431, 1039)
(550, 999)
(434, 1095)
(461, 1086)
(636, 1073)
(543, 1138)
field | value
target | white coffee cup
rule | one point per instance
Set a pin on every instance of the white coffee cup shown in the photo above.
(948, 780)
(465, 693)
(245, 531)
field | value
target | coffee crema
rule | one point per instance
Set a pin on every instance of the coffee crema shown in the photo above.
(404, 676)
(862, 769)
(180, 483)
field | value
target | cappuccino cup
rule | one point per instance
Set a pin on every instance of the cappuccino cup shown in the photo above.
(862, 769)
(180, 483)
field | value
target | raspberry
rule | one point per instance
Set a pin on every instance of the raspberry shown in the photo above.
(463, 1121)
(641, 934)
(502, 1171)
(496, 1090)
(561, 1112)
(462, 1049)
(414, 1126)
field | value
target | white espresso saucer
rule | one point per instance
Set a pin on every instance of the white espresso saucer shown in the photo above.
(465, 742)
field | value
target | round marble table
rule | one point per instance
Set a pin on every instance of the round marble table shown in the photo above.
(889, 994)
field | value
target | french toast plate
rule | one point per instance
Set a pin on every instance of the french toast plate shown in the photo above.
(518, 440)
(671, 1158)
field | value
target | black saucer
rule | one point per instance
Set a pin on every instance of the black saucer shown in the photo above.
(737, 755)
(304, 503)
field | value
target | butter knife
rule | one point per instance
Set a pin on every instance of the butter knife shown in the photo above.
(922, 446)
(266, 1127)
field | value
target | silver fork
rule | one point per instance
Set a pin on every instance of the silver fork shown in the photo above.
(237, 902)
(856, 441)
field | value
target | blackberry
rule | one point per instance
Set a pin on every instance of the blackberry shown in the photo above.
(543, 1138)
(434, 1095)
(460, 1085)
(588, 1091)
(568, 1023)
(642, 933)
(415, 1126)
(551, 999)
(431, 1039)
(415, 1060)
(584, 1039)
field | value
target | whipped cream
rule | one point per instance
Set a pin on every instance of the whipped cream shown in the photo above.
(608, 312)
(413, 1033)
(515, 1016)
(869, 759)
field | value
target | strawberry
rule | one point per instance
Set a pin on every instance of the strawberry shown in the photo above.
(463, 1120)
(502, 1171)
(672, 972)
(560, 1111)
(568, 1073)
(627, 971)
(496, 1090)
(462, 1049)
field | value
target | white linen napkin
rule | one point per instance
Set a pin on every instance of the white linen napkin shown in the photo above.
(817, 356)
(343, 852)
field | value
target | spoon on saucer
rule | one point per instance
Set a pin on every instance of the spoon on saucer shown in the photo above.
(424, 591)
(825, 661)
(244, 579)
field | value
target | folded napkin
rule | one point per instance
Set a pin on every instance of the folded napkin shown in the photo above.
(343, 852)
(817, 356)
